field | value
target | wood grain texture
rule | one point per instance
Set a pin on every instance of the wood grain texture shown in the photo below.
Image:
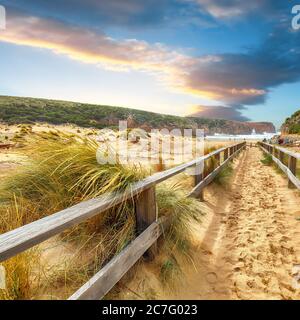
(198, 179)
(293, 169)
(146, 214)
(284, 150)
(226, 152)
(103, 281)
(292, 178)
(196, 192)
(218, 159)
(23, 238)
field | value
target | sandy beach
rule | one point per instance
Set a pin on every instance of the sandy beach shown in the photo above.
(250, 244)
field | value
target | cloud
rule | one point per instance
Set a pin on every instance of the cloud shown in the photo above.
(146, 13)
(218, 112)
(234, 79)
(247, 78)
(99, 13)
(89, 46)
(227, 9)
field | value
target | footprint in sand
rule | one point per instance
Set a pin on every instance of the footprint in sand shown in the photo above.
(211, 277)
(260, 241)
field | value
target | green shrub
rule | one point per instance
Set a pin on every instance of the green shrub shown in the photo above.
(267, 160)
(224, 175)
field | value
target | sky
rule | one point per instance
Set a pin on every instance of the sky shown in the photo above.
(230, 59)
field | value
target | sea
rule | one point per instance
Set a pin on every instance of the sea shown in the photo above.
(253, 136)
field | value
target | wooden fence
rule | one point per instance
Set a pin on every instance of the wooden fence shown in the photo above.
(149, 228)
(286, 161)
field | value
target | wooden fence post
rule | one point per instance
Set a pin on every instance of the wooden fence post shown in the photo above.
(146, 214)
(293, 168)
(281, 156)
(225, 154)
(198, 178)
(205, 169)
(218, 160)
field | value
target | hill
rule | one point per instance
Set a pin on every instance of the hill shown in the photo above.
(16, 110)
(292, 124)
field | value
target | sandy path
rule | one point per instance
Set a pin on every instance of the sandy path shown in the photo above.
(252, 242)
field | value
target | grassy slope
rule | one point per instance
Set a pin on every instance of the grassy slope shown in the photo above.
(292, 124)
(15, 110)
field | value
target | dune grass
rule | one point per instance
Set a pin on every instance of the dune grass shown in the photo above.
(267, 160)
(184, 213)
(224, 175)
(63, 168)
(19, 269)
(61, 171)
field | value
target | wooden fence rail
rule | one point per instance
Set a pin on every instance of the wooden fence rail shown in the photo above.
(278, 155)
(149, 227)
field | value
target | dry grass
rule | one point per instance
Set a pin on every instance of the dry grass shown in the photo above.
(19, 269)
(184, 213)
(267, 160)
(224, 175)
(62, 171)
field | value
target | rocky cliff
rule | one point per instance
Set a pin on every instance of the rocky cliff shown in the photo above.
(234, 127)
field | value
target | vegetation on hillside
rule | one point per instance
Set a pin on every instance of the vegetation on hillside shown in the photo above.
(14, 110)
(292, 124)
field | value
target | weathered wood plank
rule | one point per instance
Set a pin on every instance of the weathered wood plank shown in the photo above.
(293, 169)
(23, 238)
(103, 281)
(208, 179)
(226, 154)
(284, 168)
(284, 150)
(198, 178)
(146, 214)
(100, 284)
(218, 159)
(281, 156)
